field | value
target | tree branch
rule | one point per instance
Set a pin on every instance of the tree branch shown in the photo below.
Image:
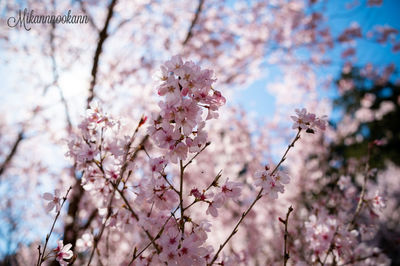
(42, 257)
(56, 77)
(13, 151)
(258, 197)
(99, 49)
(285, 222)
(91, 21)
(194, 21)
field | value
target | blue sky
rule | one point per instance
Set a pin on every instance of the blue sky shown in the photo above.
(257, 99)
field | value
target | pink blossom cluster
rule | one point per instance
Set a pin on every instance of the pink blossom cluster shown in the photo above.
(150, 200)
(325, 234)
(308, 121)
(217, 199)
(98, 152)
(333, 239)
(271, 181)
(351, 33)
(187, 91)
(146, 191)
(341, 224)
(169, 215)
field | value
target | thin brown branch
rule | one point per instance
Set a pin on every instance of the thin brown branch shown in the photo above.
(99, 255)
(331, 247)
(194, 21)
(258, 197)
(99, 49)
(41, 259)
(115, 188)
(169, 183)
(84, 10)
(97, 239)
(40, 256)
(286, 251)
(12, 152)
(70, 229)
(194, 157)
(136, 255)
(363, 189)
(182, 222)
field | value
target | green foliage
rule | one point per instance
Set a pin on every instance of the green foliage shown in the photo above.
(386, 128)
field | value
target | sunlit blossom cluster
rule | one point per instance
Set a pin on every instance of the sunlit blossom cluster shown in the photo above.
(187, 91)
(170, 217)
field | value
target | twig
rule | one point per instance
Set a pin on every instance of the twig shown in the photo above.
(285, 222)
(13, 151)
(213, 183)
(102, 37)
(182, 222)
(137, 218)
(136, 255)
(97, 239)
(98, 254)
(169, 183)
(41, 259)
(191, 160)
(258, 197)
(331, 247)
(91, 21)
(363, 189)
(115, 188)
(40, 255)
(194, 21)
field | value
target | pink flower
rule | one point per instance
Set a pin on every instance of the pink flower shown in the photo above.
(157, 164)
(178, 152)
(231, 189)
(308, 121)
(216, 203)
(167, 137)
(191, 252)
(63, 253)
(54, 200)
(378, 203)
(112, 173)
(303, 119)
(319, 232)
(174, 63)
(196, 193)
(282, 177)
(271, 184)
(187, 91)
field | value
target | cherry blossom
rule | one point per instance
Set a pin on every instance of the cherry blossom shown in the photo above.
(157, 196)
(54, 200)
(271, 183)
(63, 253)
(308, 121)
(187, 90)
